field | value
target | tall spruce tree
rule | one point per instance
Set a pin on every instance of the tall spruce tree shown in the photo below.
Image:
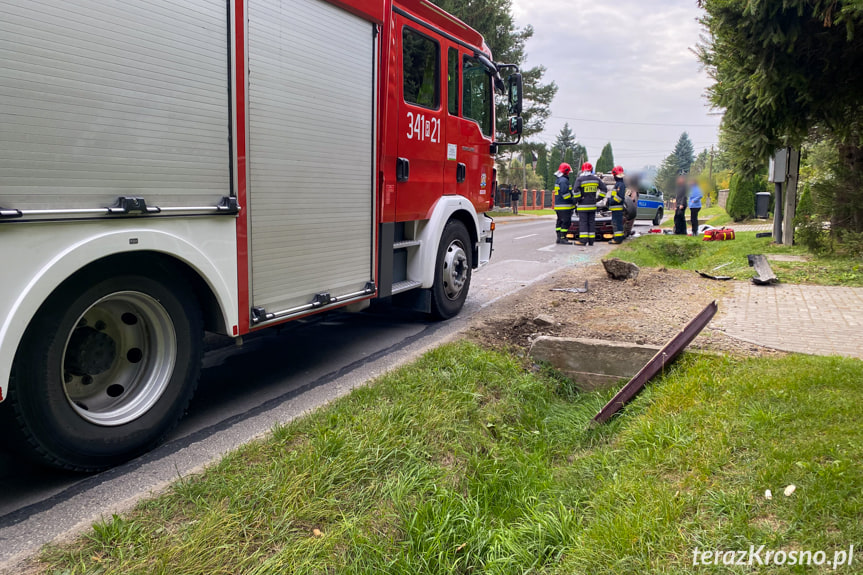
(684, 151)
(565, 140)
(605, 163)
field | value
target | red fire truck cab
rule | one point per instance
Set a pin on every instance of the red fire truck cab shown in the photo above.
(174, 166)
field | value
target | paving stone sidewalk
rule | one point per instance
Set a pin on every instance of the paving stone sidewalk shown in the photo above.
(821, 320)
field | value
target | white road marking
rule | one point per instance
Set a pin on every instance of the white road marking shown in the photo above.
(523, 237)
(547, 248)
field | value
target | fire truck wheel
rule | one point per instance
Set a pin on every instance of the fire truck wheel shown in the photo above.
(452, 271)
(107, 367)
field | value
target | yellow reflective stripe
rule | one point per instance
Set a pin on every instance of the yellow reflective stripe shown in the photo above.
(586, 208)
(616, 208)
(561, 208)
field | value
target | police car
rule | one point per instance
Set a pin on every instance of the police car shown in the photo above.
(650, 204)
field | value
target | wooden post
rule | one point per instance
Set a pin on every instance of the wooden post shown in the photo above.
(777, 213)
(778, 174)
(790, 204)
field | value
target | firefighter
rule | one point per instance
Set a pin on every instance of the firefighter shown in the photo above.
(585, 192)
(615, 203)
(563, 202)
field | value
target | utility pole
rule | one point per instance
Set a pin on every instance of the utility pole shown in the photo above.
(712, 184)
(711, 165)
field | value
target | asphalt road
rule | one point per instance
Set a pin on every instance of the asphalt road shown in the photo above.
(274, 377)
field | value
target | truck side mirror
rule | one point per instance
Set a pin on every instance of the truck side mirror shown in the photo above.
(515, 126)
(515, 96)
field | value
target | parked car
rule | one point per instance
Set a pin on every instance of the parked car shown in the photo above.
(650, 204)
(604, 229)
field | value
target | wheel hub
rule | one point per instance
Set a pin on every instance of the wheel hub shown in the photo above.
(90, 352)
(454, 270)
(119, 358)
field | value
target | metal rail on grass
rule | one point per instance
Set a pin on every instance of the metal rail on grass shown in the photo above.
(663, 357)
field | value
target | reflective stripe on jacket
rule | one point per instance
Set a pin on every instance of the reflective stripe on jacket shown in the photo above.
(563, 199)
(586, 190)
(616, 199)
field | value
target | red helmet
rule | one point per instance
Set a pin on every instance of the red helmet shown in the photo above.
(587, 167)
(617, 171)
(564, 168)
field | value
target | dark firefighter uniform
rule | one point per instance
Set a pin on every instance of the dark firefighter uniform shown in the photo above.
(586, 191)
(616, 207)
(563, 206)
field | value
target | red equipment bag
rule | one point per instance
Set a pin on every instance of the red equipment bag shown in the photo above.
(718, 235)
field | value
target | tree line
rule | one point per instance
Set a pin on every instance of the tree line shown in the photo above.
(787, 74)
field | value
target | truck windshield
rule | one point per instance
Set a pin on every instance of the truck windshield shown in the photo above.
(476, 97)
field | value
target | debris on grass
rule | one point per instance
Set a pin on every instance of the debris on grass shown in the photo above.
(762, 268)
(712, 277)
(572, 290)
(662, 358)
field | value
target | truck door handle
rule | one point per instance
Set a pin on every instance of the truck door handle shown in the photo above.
(461, 173)
(403, 170)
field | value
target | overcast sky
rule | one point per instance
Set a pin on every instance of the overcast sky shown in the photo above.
(618, 66)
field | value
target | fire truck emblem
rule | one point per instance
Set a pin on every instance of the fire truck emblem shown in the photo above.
(484, 180)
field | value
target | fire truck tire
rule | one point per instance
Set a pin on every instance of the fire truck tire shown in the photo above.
(453, 269)
(107, 367)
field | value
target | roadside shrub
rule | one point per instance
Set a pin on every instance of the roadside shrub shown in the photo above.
(741, 199)
(812, 235)
(850, 243)
(805, 207)
(676, 251)
(809, 228)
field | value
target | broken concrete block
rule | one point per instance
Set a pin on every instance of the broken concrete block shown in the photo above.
(592, 363)
(543, 320)
(620, 270)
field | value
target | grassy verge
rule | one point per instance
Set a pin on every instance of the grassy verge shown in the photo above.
(465, 463)
(692, 253)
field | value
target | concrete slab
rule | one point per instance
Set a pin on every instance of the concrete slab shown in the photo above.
(592, 363)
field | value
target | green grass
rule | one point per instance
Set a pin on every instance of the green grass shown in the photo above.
(692, 253)
(465, 463)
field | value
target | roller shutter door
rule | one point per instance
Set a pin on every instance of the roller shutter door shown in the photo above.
(311, 98)
(106, 99)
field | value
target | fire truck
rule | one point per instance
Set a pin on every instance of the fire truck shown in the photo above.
(170, 167)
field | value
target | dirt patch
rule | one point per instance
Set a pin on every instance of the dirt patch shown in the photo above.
(650, 309)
